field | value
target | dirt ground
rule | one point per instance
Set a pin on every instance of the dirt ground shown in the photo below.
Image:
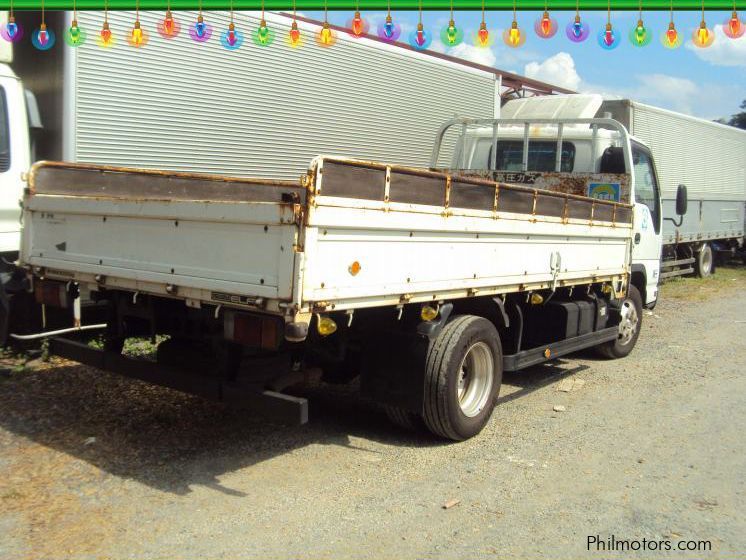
(652, 446)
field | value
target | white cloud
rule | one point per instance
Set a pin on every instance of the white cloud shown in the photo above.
(480, 55)
(679, 94)
(558, 70)
(724, 51)
(662, 90)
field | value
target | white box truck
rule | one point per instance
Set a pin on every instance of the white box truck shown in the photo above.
(427, 282)
(707, 157)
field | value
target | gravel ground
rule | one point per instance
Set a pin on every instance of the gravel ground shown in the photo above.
(652, 446)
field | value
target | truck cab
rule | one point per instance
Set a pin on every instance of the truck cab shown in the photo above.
(585, 150)
(15, 158)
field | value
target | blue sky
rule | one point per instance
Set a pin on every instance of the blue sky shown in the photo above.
(708, 83)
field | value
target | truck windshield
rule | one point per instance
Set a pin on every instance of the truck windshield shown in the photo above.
(541, 155)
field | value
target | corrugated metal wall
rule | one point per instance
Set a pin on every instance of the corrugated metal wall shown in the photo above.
(710, 159)
(260, 110)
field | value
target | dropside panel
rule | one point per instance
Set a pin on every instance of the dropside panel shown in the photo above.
(234, 248)
(414, 254)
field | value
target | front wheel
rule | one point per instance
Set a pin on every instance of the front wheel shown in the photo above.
(704, 265)
(462, 378)
(630, 324)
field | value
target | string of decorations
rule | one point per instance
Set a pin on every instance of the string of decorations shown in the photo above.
(294, 37)
(11, 31)
(106, 37)
(388, 30)
(420, 38)
(578, 31)
(513, 37)
(734, 27)
(451, 35)
(326, 37)
(671, 38)
(545, 26)
(607, 38)
(263, 36)
(638, 35)
(703, 37)
(231, 38)
(200, 32)
(357, 25)
(138, 37)
(483, 38)
(169, 28)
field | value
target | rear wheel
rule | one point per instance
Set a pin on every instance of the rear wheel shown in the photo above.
(462, 378)
(630, 323)
(704, 263)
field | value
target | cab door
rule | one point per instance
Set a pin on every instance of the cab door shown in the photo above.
(646, 250)
(14, 160)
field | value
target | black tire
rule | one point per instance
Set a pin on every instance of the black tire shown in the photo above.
(623, 344)
(444, 413)
(704, 265)
(405, 419)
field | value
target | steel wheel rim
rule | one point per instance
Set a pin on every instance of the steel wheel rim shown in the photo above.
(706, 260)
(628, 323)
(475, 378)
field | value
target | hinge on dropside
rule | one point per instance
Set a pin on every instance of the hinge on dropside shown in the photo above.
(320, 306)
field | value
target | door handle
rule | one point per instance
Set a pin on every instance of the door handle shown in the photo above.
(637, 239)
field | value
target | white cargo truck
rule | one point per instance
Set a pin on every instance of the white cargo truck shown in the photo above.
(428, 282)
(186, 106)
(709, 158)
(183, 106)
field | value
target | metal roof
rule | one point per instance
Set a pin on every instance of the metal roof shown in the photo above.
(511, 81)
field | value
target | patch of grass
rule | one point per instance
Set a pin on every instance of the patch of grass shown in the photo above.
(97, 342)
(700, 289)
(134, 347)
(142, 347)
(13, 363)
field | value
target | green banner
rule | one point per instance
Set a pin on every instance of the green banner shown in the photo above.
(396, 5)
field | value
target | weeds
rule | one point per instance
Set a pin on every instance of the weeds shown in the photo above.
(700, 289)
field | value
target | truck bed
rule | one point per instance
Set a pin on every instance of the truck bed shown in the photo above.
(349, 234)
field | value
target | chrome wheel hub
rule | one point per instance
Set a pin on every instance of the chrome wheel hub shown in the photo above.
(628, 322)
(475, 378)
(706, 261)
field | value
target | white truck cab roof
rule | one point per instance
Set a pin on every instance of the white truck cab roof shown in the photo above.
(577, 106)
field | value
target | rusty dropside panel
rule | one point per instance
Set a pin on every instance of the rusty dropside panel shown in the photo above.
(99, 181)
(559, 195)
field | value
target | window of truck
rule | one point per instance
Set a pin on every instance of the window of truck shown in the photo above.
(646, 183)
(541, 155)
(4, 133)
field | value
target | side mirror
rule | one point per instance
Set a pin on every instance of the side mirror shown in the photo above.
(681, 200)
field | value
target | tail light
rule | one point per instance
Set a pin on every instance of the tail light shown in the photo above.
(255, 331)
(49, 292)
